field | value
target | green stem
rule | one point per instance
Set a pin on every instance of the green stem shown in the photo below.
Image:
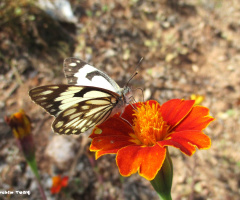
(33, 165)
(162, 183)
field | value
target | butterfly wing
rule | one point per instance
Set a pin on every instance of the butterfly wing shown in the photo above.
(76, 108)
(84, 115)
(79, 72)
(55, 98)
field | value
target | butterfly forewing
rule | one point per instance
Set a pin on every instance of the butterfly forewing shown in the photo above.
(76, 108)
(79, 72)
(54, 98)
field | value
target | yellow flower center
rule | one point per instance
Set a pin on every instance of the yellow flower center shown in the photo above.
(148, 125)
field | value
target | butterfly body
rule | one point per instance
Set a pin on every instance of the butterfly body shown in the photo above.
(89, 99)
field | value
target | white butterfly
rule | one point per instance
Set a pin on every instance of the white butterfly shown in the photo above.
(89, 99)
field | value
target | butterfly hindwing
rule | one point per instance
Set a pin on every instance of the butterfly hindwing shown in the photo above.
(84, 115)
(79, 72)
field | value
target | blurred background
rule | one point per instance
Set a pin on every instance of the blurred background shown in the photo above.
(189, 48)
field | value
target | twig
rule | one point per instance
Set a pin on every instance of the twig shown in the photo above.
(79, 153)
(193, 178)
(16, 73)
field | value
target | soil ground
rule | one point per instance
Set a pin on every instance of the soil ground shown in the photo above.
(189, 47)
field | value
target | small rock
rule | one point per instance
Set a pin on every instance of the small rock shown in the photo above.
(61, 151)
(109, 53)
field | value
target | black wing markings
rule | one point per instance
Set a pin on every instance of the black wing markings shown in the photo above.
(49, 97)
(81, 119)
(72, 66)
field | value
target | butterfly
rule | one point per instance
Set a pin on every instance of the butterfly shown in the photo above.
(89, 98)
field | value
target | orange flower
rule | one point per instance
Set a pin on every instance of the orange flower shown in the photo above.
(141, 143)
(20, 124)
(21, 128)
(57, 183)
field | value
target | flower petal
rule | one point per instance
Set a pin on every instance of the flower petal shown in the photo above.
(109, 144)
(186, 141)
(197, 119)
(175, 110)
(65, 181)
(113, 126)
(100, 153)
(147, 160)
(57, 183)
(55, 189)
(20, 124)
(128, 112)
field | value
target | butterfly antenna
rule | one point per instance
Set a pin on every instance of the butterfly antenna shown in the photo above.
(136, 72)
(139, 62)
(131, 78)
